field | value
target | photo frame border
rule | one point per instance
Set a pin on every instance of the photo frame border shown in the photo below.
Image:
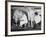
(6, 16)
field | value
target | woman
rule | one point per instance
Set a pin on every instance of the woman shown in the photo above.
(21, 16)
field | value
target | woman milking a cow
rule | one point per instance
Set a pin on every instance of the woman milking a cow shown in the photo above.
(23, 19)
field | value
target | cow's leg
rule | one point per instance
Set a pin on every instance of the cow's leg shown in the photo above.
(32, 25)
